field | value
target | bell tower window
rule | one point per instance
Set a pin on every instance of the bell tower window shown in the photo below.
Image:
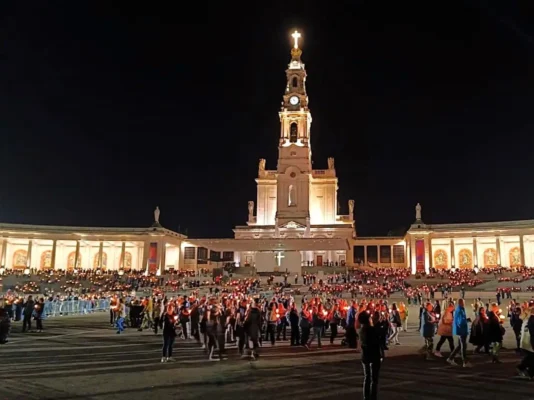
(295, 82)
(293, 133)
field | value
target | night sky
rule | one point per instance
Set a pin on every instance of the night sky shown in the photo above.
(109, 111)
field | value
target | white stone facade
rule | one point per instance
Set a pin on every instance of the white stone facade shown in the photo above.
(481, 245)
(42, 247)
(294, 200)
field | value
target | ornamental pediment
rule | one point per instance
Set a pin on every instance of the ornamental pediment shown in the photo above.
(292, 225)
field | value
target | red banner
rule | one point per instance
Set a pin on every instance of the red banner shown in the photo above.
(153, 258)
(420, 256)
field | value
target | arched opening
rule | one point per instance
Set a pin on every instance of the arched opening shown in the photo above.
(71, 259)
(20, 259)
(293, 132)
(46, 259)
(96, 260)
(294, 82)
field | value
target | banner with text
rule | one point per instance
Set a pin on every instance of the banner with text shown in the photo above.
(420, 256)
(153, 258)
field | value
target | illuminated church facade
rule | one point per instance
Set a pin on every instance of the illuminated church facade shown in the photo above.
(294, 223)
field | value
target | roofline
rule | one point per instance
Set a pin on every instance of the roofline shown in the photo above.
(59, 229)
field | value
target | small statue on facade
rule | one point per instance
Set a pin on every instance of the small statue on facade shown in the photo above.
(330, 162)
(418, 212)
(156, 215)
(351, 207)
(261, 166)
(250, 209)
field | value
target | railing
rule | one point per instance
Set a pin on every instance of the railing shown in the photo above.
(74, 307)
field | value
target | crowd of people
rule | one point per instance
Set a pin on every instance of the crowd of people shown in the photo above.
(369, 326)
(353, 310)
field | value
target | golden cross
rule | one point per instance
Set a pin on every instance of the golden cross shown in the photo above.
(296, 35)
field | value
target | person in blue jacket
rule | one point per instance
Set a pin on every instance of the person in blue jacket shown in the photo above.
(460, 329)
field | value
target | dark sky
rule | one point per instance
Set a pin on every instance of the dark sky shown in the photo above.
(109, 111)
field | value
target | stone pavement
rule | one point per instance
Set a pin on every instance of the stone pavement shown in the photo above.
(81, 357)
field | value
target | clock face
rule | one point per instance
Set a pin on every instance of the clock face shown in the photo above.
(294, 100)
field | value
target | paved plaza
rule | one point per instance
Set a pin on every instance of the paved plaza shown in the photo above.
(81, 357)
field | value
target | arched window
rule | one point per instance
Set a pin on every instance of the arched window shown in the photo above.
(293, 133)
(295, 82)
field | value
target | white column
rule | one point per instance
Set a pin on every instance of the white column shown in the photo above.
(391, 255)
(3, 254)
(181, 261)
(413, 255)
(407, 255)
(475, 251)
(453, 254)
(29, 258)
(159, 251)
(163, 258)
(430, 255)
(522, 249)
(77, 255)
(53, 255)
(100, 253)
(427, 254)
(123, 252)
(498, 246)
(365, 255)
(139, 260)
(146, 249)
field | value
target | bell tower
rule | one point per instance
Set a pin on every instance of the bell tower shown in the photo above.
(294, 149)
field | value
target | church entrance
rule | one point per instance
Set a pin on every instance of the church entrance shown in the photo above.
(319, 261)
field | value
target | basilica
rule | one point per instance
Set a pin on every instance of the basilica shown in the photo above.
(292, 226)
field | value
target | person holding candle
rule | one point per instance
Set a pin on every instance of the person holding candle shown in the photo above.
(317, 325)
(169, 334)
(333, 318)
(372, 354)
(38, 314)
(28, 307)
(395, 324)
(253, 322)
(428, 321)
(445, 329)
(120, 313)
(305, 324)
(496, 332)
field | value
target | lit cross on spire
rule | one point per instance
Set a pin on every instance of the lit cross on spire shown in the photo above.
(296, 35)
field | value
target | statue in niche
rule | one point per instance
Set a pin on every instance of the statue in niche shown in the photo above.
(351, 206)
(156, 215)
(418, 212)
(330, 162)
(292, 196)
(261, 166)
(250, 208)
